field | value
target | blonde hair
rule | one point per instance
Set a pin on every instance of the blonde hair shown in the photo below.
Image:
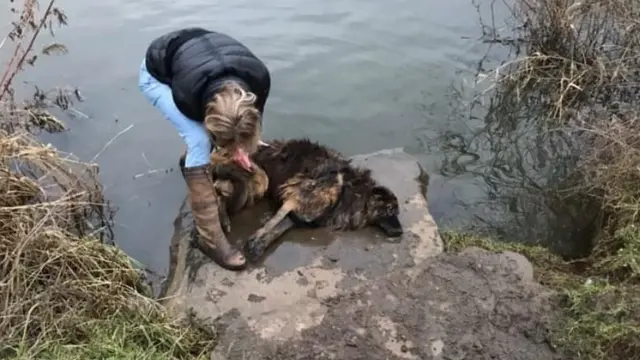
(233, 119)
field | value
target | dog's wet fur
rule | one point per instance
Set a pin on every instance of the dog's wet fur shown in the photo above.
(311, 185)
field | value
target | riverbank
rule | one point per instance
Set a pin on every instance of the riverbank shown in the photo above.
(560, 122)
(599, 315)
(65, 291)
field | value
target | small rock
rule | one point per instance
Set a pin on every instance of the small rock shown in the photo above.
(352, 341)
(227, 282)
(333, 257)
(312, 293)
(256, 298)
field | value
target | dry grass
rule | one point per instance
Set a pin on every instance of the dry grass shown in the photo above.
(61, 286)
(575, 81)
(580, 73)
(585, 57)
(581, 53)
(64, 292)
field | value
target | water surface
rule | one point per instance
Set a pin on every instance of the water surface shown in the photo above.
(356, 75)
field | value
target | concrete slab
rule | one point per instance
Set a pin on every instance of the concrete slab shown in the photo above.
(349, 296)
(286, 294)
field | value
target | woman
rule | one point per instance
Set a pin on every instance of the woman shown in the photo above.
(202, 80)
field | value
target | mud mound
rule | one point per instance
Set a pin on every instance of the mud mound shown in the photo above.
(471, 305)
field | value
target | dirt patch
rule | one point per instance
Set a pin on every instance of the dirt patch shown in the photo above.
(472, 305)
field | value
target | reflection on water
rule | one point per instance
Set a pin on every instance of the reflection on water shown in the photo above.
(523, 170)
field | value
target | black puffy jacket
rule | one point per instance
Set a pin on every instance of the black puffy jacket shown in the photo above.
(195, 62)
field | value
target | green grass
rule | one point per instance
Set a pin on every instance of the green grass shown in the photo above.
(122, 338)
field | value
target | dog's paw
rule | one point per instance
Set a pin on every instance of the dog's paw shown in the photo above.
(255, 248)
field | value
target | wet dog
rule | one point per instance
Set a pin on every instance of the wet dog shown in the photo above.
(314, 185)
(311, 185)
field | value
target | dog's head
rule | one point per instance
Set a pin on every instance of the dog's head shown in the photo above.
(384, 210)
(234, 122)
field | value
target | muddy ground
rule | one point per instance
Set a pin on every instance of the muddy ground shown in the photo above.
(472, 305)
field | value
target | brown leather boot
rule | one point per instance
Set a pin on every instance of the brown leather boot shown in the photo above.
(204, 207)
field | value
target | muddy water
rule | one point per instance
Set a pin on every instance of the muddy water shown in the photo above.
(357, 75)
